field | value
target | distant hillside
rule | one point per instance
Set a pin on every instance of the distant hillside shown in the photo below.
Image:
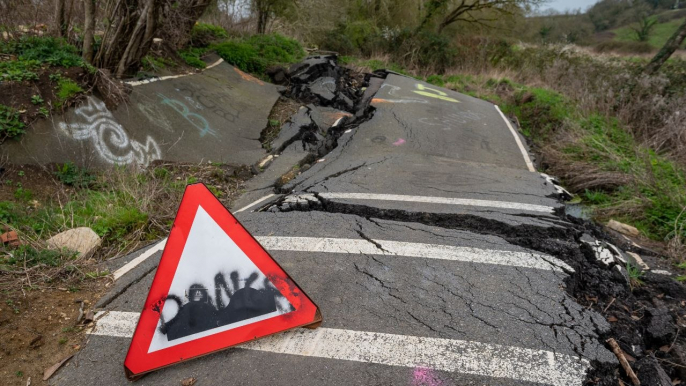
(667, 23)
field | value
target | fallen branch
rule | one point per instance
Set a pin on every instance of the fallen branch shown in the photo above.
(622, 360)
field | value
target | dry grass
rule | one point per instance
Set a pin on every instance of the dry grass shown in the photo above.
(126, 206)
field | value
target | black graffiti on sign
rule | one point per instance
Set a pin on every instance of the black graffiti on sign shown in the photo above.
(201, 314)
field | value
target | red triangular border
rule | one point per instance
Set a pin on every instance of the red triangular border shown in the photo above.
(138, 361)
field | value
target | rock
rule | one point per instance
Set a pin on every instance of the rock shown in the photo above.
(82, 240)
(623, 228)
(11, 238)
(636, 260)
(650, 373)
(661, 327)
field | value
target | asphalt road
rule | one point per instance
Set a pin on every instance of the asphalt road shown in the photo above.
(400, 235)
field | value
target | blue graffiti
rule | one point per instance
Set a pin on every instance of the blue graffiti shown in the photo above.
(197, 120)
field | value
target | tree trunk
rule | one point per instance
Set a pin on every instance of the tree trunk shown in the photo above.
(262, 17)
(128, 36)
(88, 27)
(140, 40)
(179, 21)
(60, 22)
(667, 50)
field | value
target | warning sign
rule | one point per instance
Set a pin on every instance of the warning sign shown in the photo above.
(215, 287)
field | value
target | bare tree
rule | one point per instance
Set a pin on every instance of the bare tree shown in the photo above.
(267, 10)
(644, 28)
(128, 35)
(472, 11)
(178, 20)
(60, 18)
(667, 50)
(88, 27)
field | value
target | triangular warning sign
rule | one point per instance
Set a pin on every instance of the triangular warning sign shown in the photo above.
(215, 287)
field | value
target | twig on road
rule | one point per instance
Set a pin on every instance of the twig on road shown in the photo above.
(622, 360)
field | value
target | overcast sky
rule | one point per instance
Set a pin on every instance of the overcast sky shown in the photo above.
(563, 5)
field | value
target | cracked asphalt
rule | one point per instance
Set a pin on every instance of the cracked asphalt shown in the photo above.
(408, 236)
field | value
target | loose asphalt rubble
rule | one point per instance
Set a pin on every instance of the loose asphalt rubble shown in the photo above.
(413, 217)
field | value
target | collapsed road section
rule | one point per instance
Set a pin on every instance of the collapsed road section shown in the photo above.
(412, 217)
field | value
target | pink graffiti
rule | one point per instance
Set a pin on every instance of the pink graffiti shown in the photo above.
(424, 376)
(399, 142)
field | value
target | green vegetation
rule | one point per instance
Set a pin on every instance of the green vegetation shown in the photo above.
(192, 56)
(31, 256)
(10, 123)
(18, 71)
(43, 50)
(635, 276)
(657, 37)
(37, 100)
(203, 34)
(635, 184)
(66, 89)
(156, 63)
(257, 53)
(72, 175)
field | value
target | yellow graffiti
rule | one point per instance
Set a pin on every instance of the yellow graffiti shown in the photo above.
(433, 93)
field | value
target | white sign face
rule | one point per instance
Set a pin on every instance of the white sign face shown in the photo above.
(216, 288)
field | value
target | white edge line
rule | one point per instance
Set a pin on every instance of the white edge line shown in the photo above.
(135, 262)
(146, 81)
(255, 202)
(527, 159)
(450, 355)
(440, 200)
(522, 259)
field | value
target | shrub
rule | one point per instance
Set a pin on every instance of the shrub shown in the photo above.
(30, 256)
(259, 52)
(72, 175)
(275, 48)
(10, 123)
(53, 51)
(14, 70)
(624, 47)
(203, 34)
(241, 55)
(192, 57)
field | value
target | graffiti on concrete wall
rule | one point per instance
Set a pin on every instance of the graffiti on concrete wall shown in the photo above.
(196, 120)
(155, 116)
(215, 103)
(108, 137)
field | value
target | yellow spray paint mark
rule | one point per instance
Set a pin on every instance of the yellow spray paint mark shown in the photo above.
(433, 93)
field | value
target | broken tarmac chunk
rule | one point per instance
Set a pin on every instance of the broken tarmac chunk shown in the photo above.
(650, 373)
(661, 327)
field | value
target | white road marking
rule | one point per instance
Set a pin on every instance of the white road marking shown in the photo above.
(440, 200)
(255, 203)
(525, 154)
(135, 262)
(146, 81)
(401, 248)
(450, 355)
(661, 272)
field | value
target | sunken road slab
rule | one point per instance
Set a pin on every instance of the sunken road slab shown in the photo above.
(216, 115)
(396, 297)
